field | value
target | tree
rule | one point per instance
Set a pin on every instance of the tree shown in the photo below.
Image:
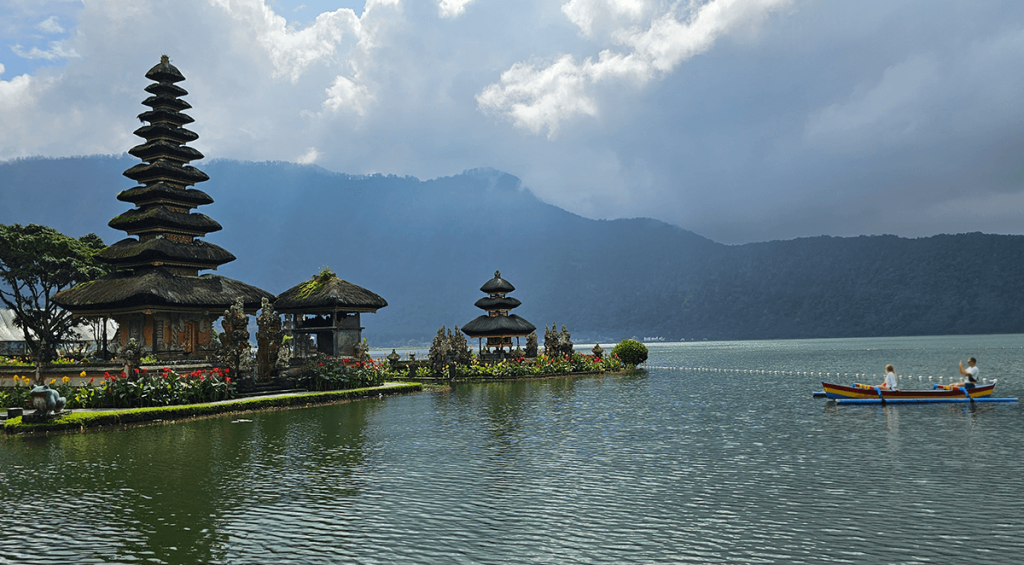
(37, 262)
(631, 352)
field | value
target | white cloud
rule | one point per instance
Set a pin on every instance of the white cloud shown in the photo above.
(344, 94)
(58, 50)
(588, 14)
(452, 8)
(292, 51)
(537, 99)
(309, 157)
(15, 94)
(50, 25)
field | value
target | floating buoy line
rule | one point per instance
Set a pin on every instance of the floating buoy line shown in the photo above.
(818, 374)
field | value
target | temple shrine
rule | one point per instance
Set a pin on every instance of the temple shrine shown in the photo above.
(322, 315)
(154, 290)
(497, 325)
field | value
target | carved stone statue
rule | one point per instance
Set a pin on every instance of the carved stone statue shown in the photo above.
(460, 352)
(46, 401)
(268, 341)
(361, 350)
(550, 341)
(531, 345)
(234, 340)
(439, 351)
(565, 343)
(130, 354)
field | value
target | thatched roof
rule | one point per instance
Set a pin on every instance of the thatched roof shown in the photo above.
(159, 288)
(166, 89)
(157, 218)
(199, 254)
(165, 170)
(166, 131)
(161, 191)
(500, 303)
(498, 326)
(169, 101)
(164, 71)
(325, 293)
(165, 116)
(497, 285)
(163, 149)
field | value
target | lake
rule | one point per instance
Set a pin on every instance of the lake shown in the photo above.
(717, 453)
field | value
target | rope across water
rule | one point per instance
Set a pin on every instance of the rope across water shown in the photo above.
(835, 375)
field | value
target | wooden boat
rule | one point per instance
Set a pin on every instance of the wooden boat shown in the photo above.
(938, 393)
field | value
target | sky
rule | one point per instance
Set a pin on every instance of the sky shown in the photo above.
(741, 120)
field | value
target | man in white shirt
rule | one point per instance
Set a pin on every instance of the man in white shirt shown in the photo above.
(971, 372)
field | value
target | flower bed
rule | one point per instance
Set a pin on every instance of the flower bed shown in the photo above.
(542, 366)
(323, 372)
(165, 387)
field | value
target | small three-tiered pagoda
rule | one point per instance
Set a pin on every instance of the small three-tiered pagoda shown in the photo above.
(155, 291)
(497, 325)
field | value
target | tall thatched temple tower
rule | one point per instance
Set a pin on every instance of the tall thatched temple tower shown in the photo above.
(155, 291)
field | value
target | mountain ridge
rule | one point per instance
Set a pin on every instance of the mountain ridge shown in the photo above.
(427, 246)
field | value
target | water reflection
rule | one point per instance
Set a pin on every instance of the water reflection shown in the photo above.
(661, 467)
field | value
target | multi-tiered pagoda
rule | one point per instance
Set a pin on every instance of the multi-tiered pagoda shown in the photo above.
(155, 291)
(497, 325)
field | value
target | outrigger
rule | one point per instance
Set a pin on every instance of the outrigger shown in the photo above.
(868, 394)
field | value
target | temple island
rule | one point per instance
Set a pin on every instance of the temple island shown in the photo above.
(165, 307)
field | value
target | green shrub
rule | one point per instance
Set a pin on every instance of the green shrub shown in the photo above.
(630, 352)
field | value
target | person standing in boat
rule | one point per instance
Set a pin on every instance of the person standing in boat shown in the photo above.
(971, 372)
(890, 378)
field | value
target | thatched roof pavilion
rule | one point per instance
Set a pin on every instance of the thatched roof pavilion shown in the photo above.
(155, 291)
(498, 326)
(322, 314)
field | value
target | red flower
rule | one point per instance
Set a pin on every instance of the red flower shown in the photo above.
(136, 371)
(227, 379)
(202, 378)
(227, 370)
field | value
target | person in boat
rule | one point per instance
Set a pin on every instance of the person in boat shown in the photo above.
(971, 372)
(890, 378)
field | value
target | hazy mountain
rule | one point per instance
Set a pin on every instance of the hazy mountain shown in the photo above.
(427, 247)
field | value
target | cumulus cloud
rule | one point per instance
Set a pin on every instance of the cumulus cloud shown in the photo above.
(344, 94)
(50, 25)
(292, 51)
(309, 157)
(740, 119)
(590, 14)
(452, 8)
(58, 50)
(537, 99)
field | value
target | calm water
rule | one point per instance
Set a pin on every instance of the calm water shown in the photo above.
(675, 465)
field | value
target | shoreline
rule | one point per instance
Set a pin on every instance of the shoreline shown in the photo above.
(86, 420)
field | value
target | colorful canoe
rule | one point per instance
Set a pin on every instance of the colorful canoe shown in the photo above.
(936, 394)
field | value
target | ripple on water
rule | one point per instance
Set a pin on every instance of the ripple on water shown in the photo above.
(671, 466)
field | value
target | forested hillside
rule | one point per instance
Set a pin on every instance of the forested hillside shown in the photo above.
(427, 246)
